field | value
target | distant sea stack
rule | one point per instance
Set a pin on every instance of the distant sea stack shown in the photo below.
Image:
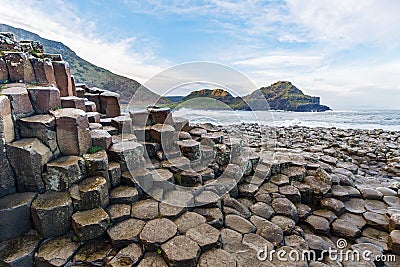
(282, 95)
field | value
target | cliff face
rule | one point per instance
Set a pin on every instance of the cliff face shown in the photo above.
(280, 96)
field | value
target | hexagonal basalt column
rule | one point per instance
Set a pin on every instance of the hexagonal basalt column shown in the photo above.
(19, 67)
(110, 104)
(190, 149)
(6, 122)
(97, 165)
(90, 224)
(44, 72)
(128, 154)
(62, 74)
(73, 135)
(28, 157)
(44, 99)
(51, 213)
(161, 115)
(90, 193)
(73, 102)
(63, 172)
(20, 101)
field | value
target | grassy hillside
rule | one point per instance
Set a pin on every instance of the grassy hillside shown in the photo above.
(84, 71)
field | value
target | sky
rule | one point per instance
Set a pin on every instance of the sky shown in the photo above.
(345, 51)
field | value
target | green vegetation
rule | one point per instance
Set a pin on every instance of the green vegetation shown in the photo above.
(94, 149)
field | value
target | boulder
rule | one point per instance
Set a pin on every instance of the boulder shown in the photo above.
(44, 99)
(20, 102)
(28, 157)
(90, 224)
(73, 102)
(73, 134)
(19, 67)
(56, 252)
(62, 74)
(42, 127)
(51, 214)
(44, 72)
(6, 121)
(15, 215)
(110, 104)
(19, 251)
(63, 172)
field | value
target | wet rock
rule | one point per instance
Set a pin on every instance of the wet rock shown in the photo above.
(125, 232)
(15, 215)
(145, 209)
(19, 251)
(127, 256)
(55, 252)
(73, 135)
(63, 172)
(157, 232)
(90, 224)
(181, 251)
(44, 99)
(51, 214)
(189, 220)
(28, 157)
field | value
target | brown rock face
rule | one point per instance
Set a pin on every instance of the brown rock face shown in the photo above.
(62, 74)
(44, 72)
(7, 181)
(19, 67)
(20, 101)
(42, 127)
(110, 104)
(161, 115)
(44, 99)
(73, 102)
(6, 123)
(28, 157)
(3, 70)
(63, 172)
(73, 135)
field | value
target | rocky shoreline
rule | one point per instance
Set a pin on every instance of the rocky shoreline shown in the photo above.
(82, 184)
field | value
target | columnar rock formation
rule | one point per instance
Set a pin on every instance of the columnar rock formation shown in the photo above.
(82, 184)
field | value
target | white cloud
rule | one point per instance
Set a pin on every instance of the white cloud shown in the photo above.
(57, 20)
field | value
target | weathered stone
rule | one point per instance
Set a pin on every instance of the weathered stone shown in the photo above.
(263, 210)
(357, 220)
(394, 222)
(62, 74)
(44, 99)
(334, 205)
(303, 210)
(92, 252)
(94, 98)
(110, 104)
(190, 149)
(179, 198)
(319, 225)
(90, 106)
(97, 165)
(296, 242)
(141, 178)
(176, 165)
(42, 127)
(214, 216)
(283, 206)
(152, 259)
(125, 232)
(321, 183)
(355, 205)
(188, 178)
(345, 229)
(212, 138)
(123, 124)
(73, 135)
(286, 224)
(19, 67)
(127, 256)
(268, 230)
(207, 199)
(15, 215)
(160, 115)
(295, 173)
(181, 251)
(376, 206)
(327, 214)
(145, 209)
(370, 193)
(316, 243)
(156, 232)
(92, 193)
(114, 173)
(73, 102)
(124, 195)
(101, 138)
(51, 213)
(165, 135)
(28, 157)
(119, 212)
(3, 70)
(181, 124)
(394, 241)
(44, 72)
(90, 224)
(140, 118)
(128, 154)
(291, 193)
(189, 220)
(206, 236)
(55, 252)
(239, 224)
(6, 122)
(19, 251)
(376, 220)
(63, 172)
(20, 102)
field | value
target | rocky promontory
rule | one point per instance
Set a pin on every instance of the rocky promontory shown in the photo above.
(84, 184)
